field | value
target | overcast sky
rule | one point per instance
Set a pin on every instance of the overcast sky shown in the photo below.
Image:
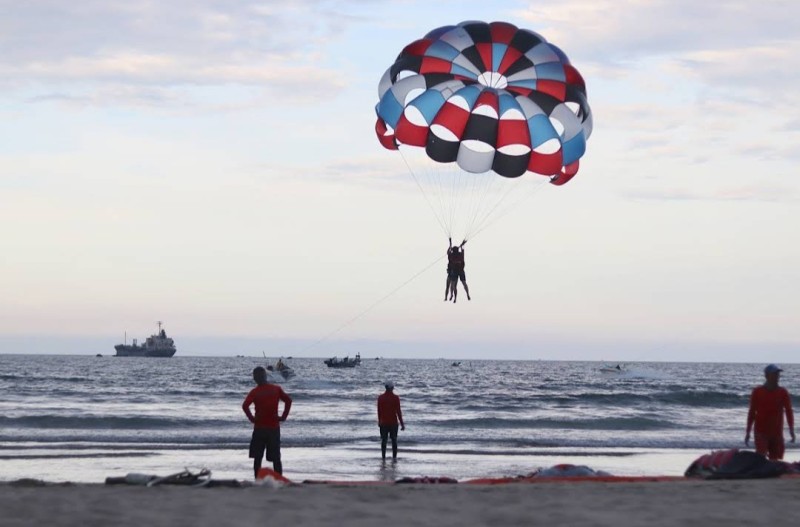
(214, 165)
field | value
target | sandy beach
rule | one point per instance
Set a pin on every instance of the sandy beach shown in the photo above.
(745, 502)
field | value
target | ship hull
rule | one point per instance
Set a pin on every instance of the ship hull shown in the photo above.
(138, 351)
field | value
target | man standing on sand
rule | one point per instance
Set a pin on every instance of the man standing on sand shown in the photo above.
(266, 423)
(389, 414)
(768, 403)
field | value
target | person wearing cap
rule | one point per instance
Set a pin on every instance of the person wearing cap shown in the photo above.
(768, 403)
(389, 415)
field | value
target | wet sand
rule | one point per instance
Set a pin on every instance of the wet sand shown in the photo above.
(707, 503)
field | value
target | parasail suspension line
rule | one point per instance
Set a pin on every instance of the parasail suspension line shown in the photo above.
(372, 306)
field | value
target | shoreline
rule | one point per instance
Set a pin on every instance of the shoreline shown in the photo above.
(338, 463)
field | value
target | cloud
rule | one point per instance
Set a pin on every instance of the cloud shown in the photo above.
(79, 49)
(790, 126)
(770, 152)
(773, 68)
(114, 95)
(381, 171)
(206, 28)
(160, 79)
(728, 45)
(772, 193)
(384, 170)
(606, 30)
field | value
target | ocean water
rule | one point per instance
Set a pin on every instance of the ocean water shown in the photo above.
(82, 418)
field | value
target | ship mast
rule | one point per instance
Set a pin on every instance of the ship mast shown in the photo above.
(159, 326)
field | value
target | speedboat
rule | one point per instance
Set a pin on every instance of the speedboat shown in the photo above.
(281, 370)
(615, 370)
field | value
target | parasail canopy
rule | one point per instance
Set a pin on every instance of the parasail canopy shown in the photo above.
(489, 98)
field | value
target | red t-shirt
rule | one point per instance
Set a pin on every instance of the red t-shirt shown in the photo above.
(266, 397)
(389, 409)
(767, 408)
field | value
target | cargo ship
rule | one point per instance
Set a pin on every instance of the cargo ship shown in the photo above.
(157, 345)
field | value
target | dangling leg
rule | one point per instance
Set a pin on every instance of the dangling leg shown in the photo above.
(463, 277)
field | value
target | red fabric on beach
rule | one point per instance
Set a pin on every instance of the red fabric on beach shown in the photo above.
(265, 473)
(266, 397)
(389, 409)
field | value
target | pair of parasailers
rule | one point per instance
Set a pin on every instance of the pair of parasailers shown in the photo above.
(266, 438)
(455, 272)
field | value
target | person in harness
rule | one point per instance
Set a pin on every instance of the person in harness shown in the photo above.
(455, 271)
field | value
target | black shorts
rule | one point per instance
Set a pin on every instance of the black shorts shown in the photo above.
(454, 275)
(268, 439)
(388, 431)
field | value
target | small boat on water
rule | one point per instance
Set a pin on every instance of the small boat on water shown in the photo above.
(347, 362)
(456, 364)
(615, 370)
(280, 369)
(286, 372)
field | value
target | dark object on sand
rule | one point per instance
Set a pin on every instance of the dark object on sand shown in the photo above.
(185, 477)
(736, 464)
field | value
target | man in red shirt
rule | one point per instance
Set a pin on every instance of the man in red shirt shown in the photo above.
(266, 423)
(768, 403)
(389, 414)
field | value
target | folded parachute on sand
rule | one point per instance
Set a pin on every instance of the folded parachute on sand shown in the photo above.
(738, 464)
